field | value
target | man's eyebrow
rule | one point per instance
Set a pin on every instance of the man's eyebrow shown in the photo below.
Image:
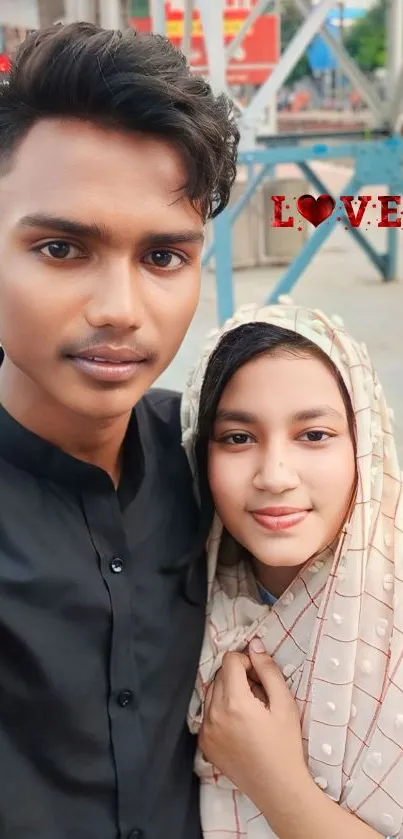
(179, 237)
(300, 416)
(64, 225)
(71, 227)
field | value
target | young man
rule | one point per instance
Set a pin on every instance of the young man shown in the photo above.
(112, 157)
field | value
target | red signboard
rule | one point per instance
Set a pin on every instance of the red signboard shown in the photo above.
(5, 63)
(257, 54)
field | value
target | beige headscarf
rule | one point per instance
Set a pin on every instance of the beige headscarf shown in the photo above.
(337, 632)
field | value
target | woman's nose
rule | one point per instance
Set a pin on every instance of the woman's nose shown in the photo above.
(275, 473)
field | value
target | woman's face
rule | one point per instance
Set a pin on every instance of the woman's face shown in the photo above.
(281, 460)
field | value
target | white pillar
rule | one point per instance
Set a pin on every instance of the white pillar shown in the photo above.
(295, 49)
(272, 111)
(110, 14)
(187, 27)
(79, 10)
(212, 17)
(157, 11)
(395, 43)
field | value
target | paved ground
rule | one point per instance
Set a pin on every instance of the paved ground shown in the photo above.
(340, 280)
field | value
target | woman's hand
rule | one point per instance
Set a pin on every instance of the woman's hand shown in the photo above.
(252, 733)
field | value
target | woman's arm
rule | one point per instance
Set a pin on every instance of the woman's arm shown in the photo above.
(258, 746)
(314, 816)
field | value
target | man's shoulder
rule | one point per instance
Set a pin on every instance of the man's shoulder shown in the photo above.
(164, 405)
(160, 409)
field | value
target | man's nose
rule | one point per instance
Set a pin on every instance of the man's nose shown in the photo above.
(117, 299)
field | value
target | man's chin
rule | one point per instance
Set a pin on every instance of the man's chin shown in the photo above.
(105, 402)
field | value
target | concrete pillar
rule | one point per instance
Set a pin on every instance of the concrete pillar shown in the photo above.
(157, 12)
(110, 14)
(395, 42)
(80, 10)
(187, 27)
(212, 16)
(49, 11)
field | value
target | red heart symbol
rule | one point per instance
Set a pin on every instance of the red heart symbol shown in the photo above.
(316, 210)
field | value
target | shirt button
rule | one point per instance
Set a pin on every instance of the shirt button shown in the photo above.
(125, 697)
(135, 834)
(116, 565)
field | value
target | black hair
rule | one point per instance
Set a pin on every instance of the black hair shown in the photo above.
(125, 81)
(239, 346)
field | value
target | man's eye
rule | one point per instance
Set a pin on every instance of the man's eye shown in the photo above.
(59, 250)
(164, 259)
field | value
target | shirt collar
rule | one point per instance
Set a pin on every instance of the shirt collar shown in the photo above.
(265, 595)
(31, 453)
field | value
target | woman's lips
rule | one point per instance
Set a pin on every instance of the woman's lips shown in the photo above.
(279, 519)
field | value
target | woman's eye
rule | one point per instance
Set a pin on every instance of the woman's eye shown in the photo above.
(60, 250)
(315, 436)
(164, 259)
(239, 439)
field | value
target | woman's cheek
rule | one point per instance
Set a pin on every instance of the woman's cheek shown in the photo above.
(332, 479)
(218, 470)
(228, 476)
(343, 470)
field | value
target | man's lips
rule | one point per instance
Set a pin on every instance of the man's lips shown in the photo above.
(280, 518)
(108, 364)
(110, 355)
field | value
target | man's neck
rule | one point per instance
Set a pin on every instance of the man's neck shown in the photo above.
(92, 440)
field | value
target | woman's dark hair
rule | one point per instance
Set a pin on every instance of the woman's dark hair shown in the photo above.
(236, 348)
(129, 82)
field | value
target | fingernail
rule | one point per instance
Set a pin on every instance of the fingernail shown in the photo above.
(257, 646)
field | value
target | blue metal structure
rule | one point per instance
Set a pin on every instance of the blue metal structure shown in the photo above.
(377, 157)
(376, 161)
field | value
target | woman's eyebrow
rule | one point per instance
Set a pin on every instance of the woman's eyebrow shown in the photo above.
(316, 412)
(235, 416)
(306, 414)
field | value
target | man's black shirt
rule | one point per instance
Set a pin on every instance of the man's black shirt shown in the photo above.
(102, 603)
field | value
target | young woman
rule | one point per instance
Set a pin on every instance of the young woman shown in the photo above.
(304, 740)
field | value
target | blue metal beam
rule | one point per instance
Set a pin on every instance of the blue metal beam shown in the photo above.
(223, 249)
(377, 161)
(390, 258)
(323, 151)
(378, 260)
(308, 251)
(233, 212)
